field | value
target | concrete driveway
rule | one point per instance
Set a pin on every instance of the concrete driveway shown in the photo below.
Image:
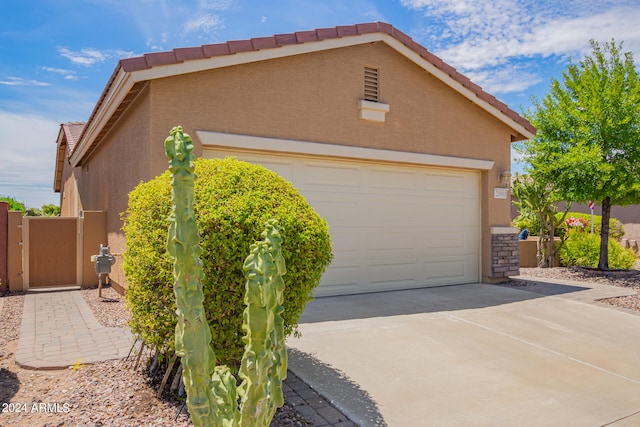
(474, 355)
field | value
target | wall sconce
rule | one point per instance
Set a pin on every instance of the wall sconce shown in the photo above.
(505, 177)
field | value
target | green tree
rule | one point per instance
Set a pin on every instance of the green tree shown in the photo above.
(536, 199)
(50, 210)
(588, 136)
(14, 205)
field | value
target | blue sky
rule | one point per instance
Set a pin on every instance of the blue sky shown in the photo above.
(57, 55)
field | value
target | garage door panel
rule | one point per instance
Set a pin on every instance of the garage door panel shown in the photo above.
(392, 226)
(450, 212)
(447, 214)
(390, 211)
(331, 177)
(342, 278)
(449, 184)
(385, 240)
(443, 271)
(346, 241)
(392, 181)
(394, 271)
(447, 240)
(283, 166)
(342, 212)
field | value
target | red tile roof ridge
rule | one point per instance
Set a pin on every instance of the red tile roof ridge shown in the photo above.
(231, 47)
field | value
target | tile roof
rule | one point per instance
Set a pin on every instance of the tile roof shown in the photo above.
(72, 132)
(186, 54)
(181, 55)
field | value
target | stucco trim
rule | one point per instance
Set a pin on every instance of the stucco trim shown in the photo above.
(373, 111)
(504, 230)
(256, 143)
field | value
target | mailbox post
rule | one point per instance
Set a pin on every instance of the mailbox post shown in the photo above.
(102, 263)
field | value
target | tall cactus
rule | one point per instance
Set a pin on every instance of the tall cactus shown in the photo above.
(193, 337)
(212, 395)
(264, 363)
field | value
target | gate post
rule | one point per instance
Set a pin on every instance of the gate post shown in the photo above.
(4, 236)
(14, 249)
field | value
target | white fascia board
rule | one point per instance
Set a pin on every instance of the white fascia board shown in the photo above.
(256, 143)
(118, 91)
(238, 58)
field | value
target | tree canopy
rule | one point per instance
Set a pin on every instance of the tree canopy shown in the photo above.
(588, 136)
(14, 205)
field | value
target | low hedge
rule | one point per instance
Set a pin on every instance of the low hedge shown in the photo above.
(233, 199)
(583, 249)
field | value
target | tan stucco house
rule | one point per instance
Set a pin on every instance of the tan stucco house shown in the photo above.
(406, 158)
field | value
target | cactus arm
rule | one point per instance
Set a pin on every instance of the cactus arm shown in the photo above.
(193, 337)
(264, 363)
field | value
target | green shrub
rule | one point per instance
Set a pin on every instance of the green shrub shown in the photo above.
(531, 223)
(233, 199)
(583, 249)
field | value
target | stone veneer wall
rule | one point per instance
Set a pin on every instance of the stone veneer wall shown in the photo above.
(505, 252)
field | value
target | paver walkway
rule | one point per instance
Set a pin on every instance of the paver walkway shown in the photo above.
(60, 330)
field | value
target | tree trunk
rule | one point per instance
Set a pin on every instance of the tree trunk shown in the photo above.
(603, 263)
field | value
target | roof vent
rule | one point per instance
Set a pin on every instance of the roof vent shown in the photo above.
(371, 90)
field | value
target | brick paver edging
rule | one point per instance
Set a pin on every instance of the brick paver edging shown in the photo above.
(311, 405)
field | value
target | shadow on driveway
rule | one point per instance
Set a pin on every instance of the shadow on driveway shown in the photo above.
(346, 395)
(426, 300)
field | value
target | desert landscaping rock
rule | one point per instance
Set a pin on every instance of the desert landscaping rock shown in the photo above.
(629, 281)
(107, 393)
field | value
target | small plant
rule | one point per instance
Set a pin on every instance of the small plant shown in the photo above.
(576, 223)
(212, 396)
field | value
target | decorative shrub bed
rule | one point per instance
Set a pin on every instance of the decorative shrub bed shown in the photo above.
(583, 249)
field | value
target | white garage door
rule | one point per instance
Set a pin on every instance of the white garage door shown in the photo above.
(393, 226)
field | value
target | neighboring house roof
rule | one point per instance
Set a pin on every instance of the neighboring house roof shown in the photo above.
(131, 74)
(68, 138)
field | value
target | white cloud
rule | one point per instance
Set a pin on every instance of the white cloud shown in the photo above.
(484, 39)
(88, 56)
(206, 23)
(19, 81)
(67, 74)
(505, 79)
(84, 56)
(28, 154)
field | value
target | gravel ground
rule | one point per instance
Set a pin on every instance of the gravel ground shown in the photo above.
(628, 279)
(108, 393)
